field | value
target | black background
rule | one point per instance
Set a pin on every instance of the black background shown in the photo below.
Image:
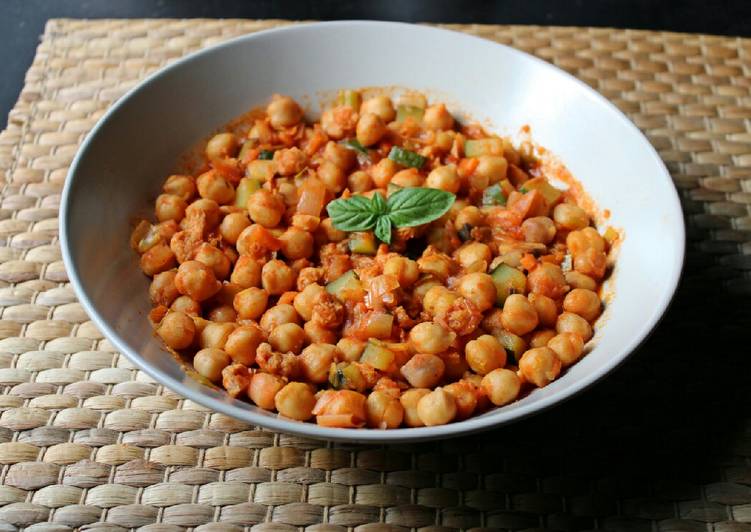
(22, 21)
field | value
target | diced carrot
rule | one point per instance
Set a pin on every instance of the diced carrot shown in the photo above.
(467, 167)
(529, 204)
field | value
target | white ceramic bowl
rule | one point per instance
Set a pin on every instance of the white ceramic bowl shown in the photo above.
(122, 163)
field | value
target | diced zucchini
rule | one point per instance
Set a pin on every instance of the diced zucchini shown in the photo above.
(261, 170)
(266, 155)
(488, 146)
(378, 356)
(346, 376)
(245, 188)
(350, 98)
(550, 194)
(246, 147)
(508, 280)
(379, 325)
(610, 235)
(346, 287)
(354, 144)
(493, 195)
(506, 187)
(513, 344)
(363, 243)
(403, 112)
(406, 157)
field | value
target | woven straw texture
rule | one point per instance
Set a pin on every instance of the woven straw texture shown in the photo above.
(89, 442)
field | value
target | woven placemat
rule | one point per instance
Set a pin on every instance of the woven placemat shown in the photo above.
(89, 442)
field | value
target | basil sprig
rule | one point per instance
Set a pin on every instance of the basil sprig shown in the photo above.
(406, 207)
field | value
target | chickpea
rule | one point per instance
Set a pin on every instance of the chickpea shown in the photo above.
(407, 178)
(177, 330)
(465, 396)
(283, 112)
(444, 178)
(359, 182)
(541, 338)
(423, 370)
(250, 303)
(547, 279)
(213, 186)
(328, 233)
(208, 207)
(232, 225)
(569, 322)
(591, 262)
(370, 129)
(278, 315)
(263, 389)
(305, 300)
(157, 259)
(215, 334)
(222, 314)
(215, 259)
(383, 410)
(409, 401)
(469, 216)
(196, 280)
(439, 266)
(316, 360)
(222, 146)
(381, 106)
(519, 316)
(183, 186)
(170, 207)
(437, 117)
(431, 338)
(583, 302)
(351, 349)
(569, 347)
(332, 176)
(436, 408)
(162, 290)
(493, 168)
(383, 171)
(210, 362)
(315, 333)
(343, 157)
(295, 401)
(547, 310)
(472, 253)
(579, 280)
(479, 288)
(288, 337)
(247, 272)
(277, 277)
(265, 208)
(186, 305)
(437, 299)
(485, 354)
(404, 269)
(540, 229)
(296, 243)
(456, 365)
(579, 241)
(242, 343)
(341, 408)
(540, 366)
(290, 161)
(570, 216)
(501, 386)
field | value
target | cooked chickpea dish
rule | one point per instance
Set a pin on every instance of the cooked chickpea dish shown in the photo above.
(384, 267)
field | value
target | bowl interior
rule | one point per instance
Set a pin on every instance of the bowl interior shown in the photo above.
(121, 166)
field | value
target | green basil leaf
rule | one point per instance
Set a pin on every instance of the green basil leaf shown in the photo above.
(266, 155)
(383, 229)
(378, 204)
(409, 207)
(352, 214)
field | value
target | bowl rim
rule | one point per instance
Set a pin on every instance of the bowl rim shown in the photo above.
(468, 426)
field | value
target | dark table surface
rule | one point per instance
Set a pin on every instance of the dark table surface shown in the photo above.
(22, 21)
